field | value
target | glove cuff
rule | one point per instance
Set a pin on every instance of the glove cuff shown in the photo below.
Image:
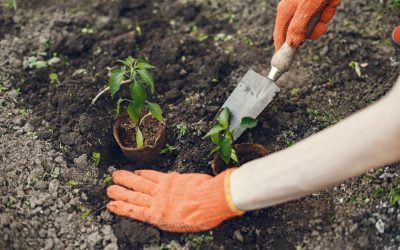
(396, 36)
(228, 196)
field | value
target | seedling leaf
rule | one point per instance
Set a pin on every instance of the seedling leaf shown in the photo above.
(248, 122)
(226, 148)
(115, 80)
(156, 111)
(215, 138)
(119, 102)
(133, 112)
(223, 118)
(146, 76)
(214, 150)
(142, 64)
(139, 138)
(214, 130)
(96, 156)
(138, 94)
(234, 156)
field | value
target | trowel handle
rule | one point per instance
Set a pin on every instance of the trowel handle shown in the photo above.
(284, 57)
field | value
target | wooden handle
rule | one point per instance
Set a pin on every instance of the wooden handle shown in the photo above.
(284, 57)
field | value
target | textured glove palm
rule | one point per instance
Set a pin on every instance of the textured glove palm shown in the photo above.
(172, 202)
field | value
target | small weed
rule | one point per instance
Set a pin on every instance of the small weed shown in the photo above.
(55, 172)
(182, 130)
(200, 36)
(72, 183)
(168, 149)
(96, 157)
(395, 5)
(87, 30)
(328, 118)
(295, 92)
(10, 4)
(54, 79)
(107, 179)
(197, 241)
(356, 67)
(18, 91)
(24, 112)
(31, 135)
(2, 88)
(290, 137)
(85, 212)
(37, 61)
(394, 193)
(222, 37)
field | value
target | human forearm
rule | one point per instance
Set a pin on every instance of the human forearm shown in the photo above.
(368, 139)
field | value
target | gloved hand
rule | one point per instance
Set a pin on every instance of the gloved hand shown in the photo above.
(294, 16)
(173, 202)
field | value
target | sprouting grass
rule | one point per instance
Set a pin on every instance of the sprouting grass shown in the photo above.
(10, 4)
(395, 5)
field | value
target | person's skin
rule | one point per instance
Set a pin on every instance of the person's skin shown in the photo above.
(367, 139)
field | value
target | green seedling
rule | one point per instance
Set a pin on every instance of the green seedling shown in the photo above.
(96, 157)
(182, 129)
(72, 183)
(138, 74)
(10, 4)
(200, 36)
(87, 30)
(222, 138)
(394, 194)
(168, 149)
(107, 179)
(395, 5)
(24, 112)
(18, 91)
(85, 212)
(2, 88)
(37, 61)
(31, 135)
(54, 79)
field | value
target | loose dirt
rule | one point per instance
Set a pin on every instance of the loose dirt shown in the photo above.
(200, 49)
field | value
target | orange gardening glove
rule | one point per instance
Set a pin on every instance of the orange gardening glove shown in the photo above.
(173, 202)
(294, 16)
(396, 36)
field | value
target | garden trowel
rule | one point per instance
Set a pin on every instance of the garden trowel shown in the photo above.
(254, 92)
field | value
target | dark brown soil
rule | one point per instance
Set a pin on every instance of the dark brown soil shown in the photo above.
(195, 73)
(246, 152)
(150, 128)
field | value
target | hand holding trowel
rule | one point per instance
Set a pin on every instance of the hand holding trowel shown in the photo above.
(254, 91)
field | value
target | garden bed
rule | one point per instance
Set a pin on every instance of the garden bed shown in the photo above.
(200, 51)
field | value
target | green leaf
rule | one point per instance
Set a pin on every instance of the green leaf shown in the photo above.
(134, 113)
(96, 156)
(53, 60)
(114, 83)
(128, 61)
(223, 118)
(142, 64)
(214, 130)
(148, 78)
(234, 156)
(248, 122)
(119, 102)
(215, 138)
(138, 94)
(214, 150)
(226, 148)
(156, 111)
(139, 138)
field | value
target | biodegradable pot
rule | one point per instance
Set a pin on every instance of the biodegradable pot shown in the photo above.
(245, 151)
(127, 142)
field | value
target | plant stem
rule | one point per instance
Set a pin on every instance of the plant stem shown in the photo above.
(144, 117)
(105, 90)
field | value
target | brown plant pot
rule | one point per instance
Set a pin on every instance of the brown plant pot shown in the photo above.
(245, 151)
(154, 141)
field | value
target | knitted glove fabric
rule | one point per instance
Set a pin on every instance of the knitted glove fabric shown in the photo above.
(173, 202)
(294, 16)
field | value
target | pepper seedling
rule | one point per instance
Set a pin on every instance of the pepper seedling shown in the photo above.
(138, 74)
(222, 137)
